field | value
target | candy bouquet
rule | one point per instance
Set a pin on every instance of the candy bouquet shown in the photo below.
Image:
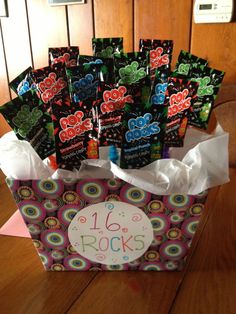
(112, 124)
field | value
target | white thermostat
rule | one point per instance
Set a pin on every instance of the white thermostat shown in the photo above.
(213, 11)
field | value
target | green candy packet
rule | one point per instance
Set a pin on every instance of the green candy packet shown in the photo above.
(209, 84)
(188, 62)
(131, 68)
(107, 47)
(30, 122)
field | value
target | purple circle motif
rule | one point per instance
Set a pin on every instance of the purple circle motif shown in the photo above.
(32, 211)
(67, 213)
(152, 266)
(48, 188)
(176, 218)
(173, 250)
(58, 255)
(115, 267)
(50, 205)
(34, 229)
(54, 239)
(71, 250)
(76, 262)
(92, 191)
(189, 226)
(178, 202)
(174, 234)
(160, 223)
(135, 196)
(45, 258)
(171, 265)
(114, 184)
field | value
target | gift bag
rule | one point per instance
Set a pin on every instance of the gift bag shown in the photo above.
(107, 218)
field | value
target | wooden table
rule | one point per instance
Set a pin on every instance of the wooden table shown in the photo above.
(208, 284)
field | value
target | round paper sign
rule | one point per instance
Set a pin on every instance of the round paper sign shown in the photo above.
(111, 233)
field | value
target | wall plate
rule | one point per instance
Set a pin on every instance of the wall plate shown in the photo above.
(65, 2)
(213, 11)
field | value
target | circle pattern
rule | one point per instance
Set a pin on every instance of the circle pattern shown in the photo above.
(48, 188)
(134, 195)
(13, 184)
(115, 267)
(25, 192)
(57, 267)
(54, 239)
(52, 223)
(92, 192)
(34, 229)
(152, 256)
(70, 197)
(114, 184)
(151, 266)
(32, 211)
(112, 198)
(46, 259)
(160, 223)
(76, 262)
(67, 213)
(156, 206)
(174, 234)
(173, 250)
(196, 209)
(178, 202)
(189, 226)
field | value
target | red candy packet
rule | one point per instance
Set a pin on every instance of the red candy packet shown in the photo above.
(75, 133)
(51, 83)
(66, 55)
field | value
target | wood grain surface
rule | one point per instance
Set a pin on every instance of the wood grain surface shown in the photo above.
(216, 42)
(210, 283)
(114, 19)
(161, 19)
(16, 39)
(81, 26)
(48, 28)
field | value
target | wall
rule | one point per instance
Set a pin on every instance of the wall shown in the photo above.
(33, 26)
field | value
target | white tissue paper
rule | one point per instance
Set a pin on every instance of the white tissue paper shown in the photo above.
(201, 164)
(18, 160)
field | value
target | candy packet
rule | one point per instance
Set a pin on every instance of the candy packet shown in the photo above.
(23, 82)
(141, 129)
(179, 98)
(110, 112)
(66, 55)
(209, 84)
(160, 54)
(132, 67)
(107, 47)
(83, 81)
(75, 133)
(106, 66)
(51, 83)
(159, 87)
(187, 62)
(27, 117)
